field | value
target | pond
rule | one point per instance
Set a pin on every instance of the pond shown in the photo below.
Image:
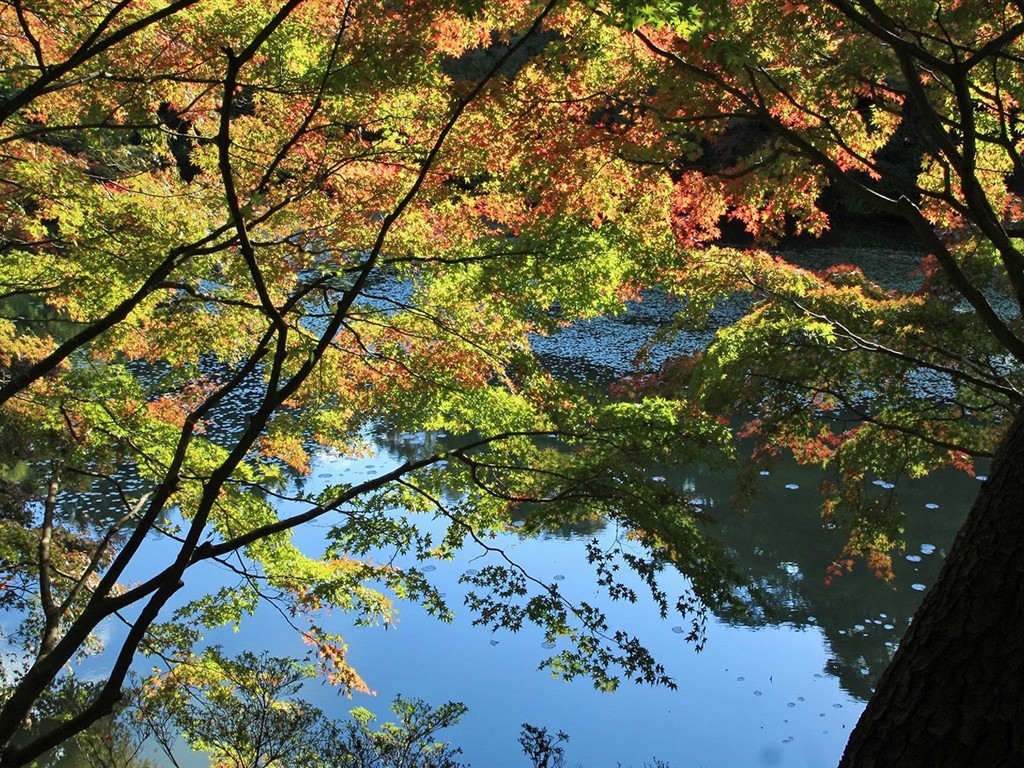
(780, 686)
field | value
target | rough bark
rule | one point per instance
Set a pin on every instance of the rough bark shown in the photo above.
(954, 692)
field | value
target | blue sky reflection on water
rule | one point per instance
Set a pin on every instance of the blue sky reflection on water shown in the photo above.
(781, 689)
(783, 692)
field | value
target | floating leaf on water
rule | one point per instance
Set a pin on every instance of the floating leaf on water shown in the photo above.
(494, 642)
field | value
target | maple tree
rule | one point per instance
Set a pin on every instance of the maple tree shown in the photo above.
(245, 712)
(238, 233)
(234, 232)
(905, 111)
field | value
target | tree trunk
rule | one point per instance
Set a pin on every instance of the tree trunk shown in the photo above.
(954, 692)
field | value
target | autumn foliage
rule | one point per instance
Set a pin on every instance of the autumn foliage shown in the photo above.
(235, 234)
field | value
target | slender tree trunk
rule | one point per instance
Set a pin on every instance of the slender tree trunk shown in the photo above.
(954, 692)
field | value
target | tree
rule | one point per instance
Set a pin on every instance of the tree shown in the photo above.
(290, 222)
(245, 713)
(903, 111)
(235, 233)
(543, 748)
(406, 744)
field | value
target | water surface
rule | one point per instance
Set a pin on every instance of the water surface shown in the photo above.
(782, 686)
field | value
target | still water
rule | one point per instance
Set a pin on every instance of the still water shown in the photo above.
(781, 686)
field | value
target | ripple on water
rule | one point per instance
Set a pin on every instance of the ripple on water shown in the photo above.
(927, 549)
